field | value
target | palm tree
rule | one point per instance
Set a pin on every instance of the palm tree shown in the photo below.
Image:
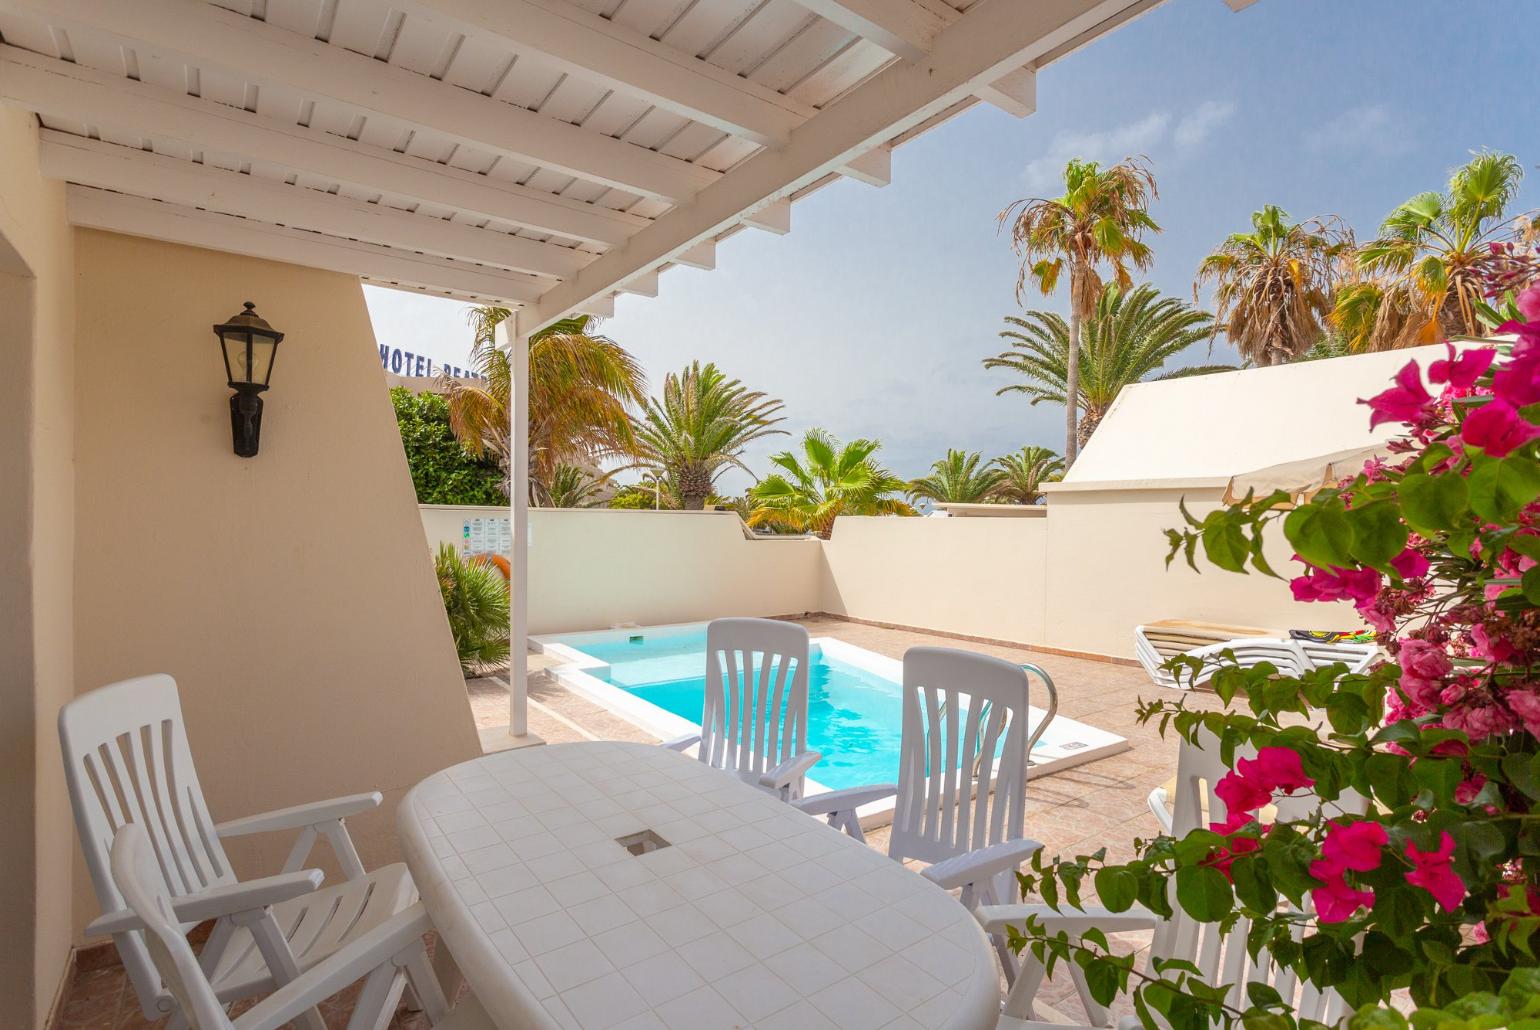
(1098, 221)
(575, 487)
(1128, 337)
(700, 427)
(1425, 273)
(829, 480)
(1274, 285)
(581, 387)
(1023, 474)
(957, 478)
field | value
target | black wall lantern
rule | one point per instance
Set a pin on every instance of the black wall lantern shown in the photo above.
(249, 345)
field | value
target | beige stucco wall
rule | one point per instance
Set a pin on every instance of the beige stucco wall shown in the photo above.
(289, 594)
(37, 528)
(1106, 573)
(594, 568)
(1079, 580)
(974, 576)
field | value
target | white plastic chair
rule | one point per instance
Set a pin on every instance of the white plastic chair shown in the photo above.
(1292, 657)
(127, 761)
(1223, 959)
(385, 957)
(754, 723)
(959, 806)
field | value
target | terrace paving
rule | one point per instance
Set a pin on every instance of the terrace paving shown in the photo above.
(1073, 812)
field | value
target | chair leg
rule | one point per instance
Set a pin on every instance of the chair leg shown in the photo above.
(850, 822)
(422, 982)
(446, 971)
(376, 1004)
(280, 961)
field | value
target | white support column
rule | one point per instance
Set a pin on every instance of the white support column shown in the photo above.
(511, 335)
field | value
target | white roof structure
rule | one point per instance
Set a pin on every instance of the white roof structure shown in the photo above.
(544, 154)
(541, 154)
(1215, 427)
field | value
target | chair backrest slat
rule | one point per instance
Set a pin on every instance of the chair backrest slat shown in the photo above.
(755, 712)
(127, 761)
(963, 754)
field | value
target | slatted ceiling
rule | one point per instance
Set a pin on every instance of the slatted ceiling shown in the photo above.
(808, 50)
(706, 25)
(841, 72)
(727, 153)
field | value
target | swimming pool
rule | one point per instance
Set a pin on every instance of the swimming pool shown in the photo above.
(656, 678)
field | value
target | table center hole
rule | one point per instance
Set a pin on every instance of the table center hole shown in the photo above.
(642, 842)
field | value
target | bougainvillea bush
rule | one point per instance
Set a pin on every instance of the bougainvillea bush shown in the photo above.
(1435, 892)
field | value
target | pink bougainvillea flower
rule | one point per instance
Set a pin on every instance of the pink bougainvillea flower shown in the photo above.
(1473, 713)
(1462, 368)
(1528, 303)
(1424, 666)
(1276, 768)
(1498, 648)
(1517, 381)
(1359, 586)
(1434, 872)
(1235, 846)
(1336, 901)
(1497, 428)
(1466, 792)
(1241, 793)
(1526, 705)
(1410, 564)
(1408, 401)
(1357, 846)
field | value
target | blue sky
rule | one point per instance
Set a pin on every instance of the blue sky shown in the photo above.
(871, 318)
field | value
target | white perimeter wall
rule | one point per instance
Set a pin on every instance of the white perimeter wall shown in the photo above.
(591, 568)
(1079, 580)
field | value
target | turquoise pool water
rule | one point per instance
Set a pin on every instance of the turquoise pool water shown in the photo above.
(853, 715)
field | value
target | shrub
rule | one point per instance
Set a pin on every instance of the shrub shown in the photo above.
(1436, 889)
(475, 597)
(442, 473)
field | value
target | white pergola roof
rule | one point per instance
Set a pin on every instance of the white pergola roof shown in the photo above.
(544, 154)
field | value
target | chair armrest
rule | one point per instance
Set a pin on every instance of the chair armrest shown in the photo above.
(300, 816)
(348, 964)
(979, 865)
(791, 770)
(845, 799)
(1157, 802)
(683, 743)
(995, 918)
(229, 899)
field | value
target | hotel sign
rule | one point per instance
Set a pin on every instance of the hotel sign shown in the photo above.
(405, 363)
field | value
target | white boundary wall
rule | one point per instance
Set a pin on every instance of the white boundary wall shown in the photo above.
(1079, 580)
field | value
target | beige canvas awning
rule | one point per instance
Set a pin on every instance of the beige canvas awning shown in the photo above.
(1304, 477)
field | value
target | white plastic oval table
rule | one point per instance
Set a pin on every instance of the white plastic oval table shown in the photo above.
(543, 870)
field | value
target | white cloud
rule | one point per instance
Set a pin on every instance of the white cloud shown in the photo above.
(1044, 174)
(1196, 126)
(1156, 131)
(1375, 128)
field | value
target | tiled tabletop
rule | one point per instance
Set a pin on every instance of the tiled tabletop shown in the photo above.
(754, 915)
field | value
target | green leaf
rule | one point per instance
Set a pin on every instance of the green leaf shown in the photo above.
(1500, 488)
(1226, 545)
(1204, 893)
(1523, 771)
(1320, 533)
(1530, 585)
(1378, 533)
(1252, 885)
(1117, 887)
(1373, 1017)
(1433, 503)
